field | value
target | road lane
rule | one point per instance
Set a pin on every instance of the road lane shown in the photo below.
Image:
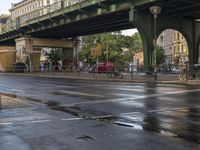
(169, 111)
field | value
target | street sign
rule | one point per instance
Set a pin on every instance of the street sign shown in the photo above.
(96, 51)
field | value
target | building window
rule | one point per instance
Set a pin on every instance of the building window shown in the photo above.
(170, 49)
(161, 39)
(174, 49)
(178, 48)
(182, 47)
(178, 36)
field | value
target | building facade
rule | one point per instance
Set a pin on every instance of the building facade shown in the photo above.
(28, 9)
(175, 46)
(4, 22)
(139, 56)
(20, 13)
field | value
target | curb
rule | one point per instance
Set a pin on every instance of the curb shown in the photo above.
(189, 83)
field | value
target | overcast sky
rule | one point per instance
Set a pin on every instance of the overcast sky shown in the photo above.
(6, 5)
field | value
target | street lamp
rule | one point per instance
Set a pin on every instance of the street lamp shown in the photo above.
(155, 10)
(97, 58)
(76, 43)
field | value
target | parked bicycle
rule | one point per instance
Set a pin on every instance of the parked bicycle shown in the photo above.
(187, 74)
(114, 74)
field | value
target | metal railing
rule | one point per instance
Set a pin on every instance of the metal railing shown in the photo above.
(127, 72)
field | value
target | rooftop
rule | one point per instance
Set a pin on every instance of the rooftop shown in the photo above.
(16, 4)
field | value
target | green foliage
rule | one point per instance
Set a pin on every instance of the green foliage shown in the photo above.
(54, 55)
(113, 45)
(159, 54)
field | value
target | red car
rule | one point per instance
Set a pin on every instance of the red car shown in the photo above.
(106, 67)
(103, 67)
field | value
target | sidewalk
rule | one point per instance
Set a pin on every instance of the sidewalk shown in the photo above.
(142, 78)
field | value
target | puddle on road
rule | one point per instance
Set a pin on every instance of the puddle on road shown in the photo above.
(151, 122)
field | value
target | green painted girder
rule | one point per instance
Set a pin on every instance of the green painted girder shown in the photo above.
(74, 14)
(144, 2)
(76, 10)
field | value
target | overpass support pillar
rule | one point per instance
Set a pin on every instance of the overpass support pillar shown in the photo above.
(144, 23)
(29, 50)
(197, 42)
(76, 50)
(28, 54)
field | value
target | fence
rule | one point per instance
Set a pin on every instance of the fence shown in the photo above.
(126, 72)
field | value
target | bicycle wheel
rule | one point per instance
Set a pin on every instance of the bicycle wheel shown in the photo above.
(109, 74)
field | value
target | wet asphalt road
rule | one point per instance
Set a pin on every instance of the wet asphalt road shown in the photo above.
(59, 114)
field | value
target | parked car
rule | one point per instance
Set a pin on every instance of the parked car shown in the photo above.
(176, 69)
(102, 67)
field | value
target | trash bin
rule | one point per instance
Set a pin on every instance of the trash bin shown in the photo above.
(19, 67)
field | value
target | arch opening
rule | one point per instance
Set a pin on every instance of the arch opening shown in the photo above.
(175, 47)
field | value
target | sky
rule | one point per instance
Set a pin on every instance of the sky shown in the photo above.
(6, 5)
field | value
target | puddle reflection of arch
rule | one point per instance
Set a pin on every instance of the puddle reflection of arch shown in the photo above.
(151, 121)
(192, 123)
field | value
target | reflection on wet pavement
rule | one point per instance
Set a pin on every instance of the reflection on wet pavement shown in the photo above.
(156, 111)
(186, 126)
(178, 123)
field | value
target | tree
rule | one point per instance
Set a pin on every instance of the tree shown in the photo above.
(54, 55)
(113, 46)
(159, 53)
(137, 40)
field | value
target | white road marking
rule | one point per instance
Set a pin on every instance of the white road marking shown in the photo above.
(79, 93)
(128, 95)
(6, 123)
(64, 86)
(125, 89)
(158, 110)
(130, 98)
(71, 119)
(38, 121)
(99, 117)
(93, 102)
(15, 90)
